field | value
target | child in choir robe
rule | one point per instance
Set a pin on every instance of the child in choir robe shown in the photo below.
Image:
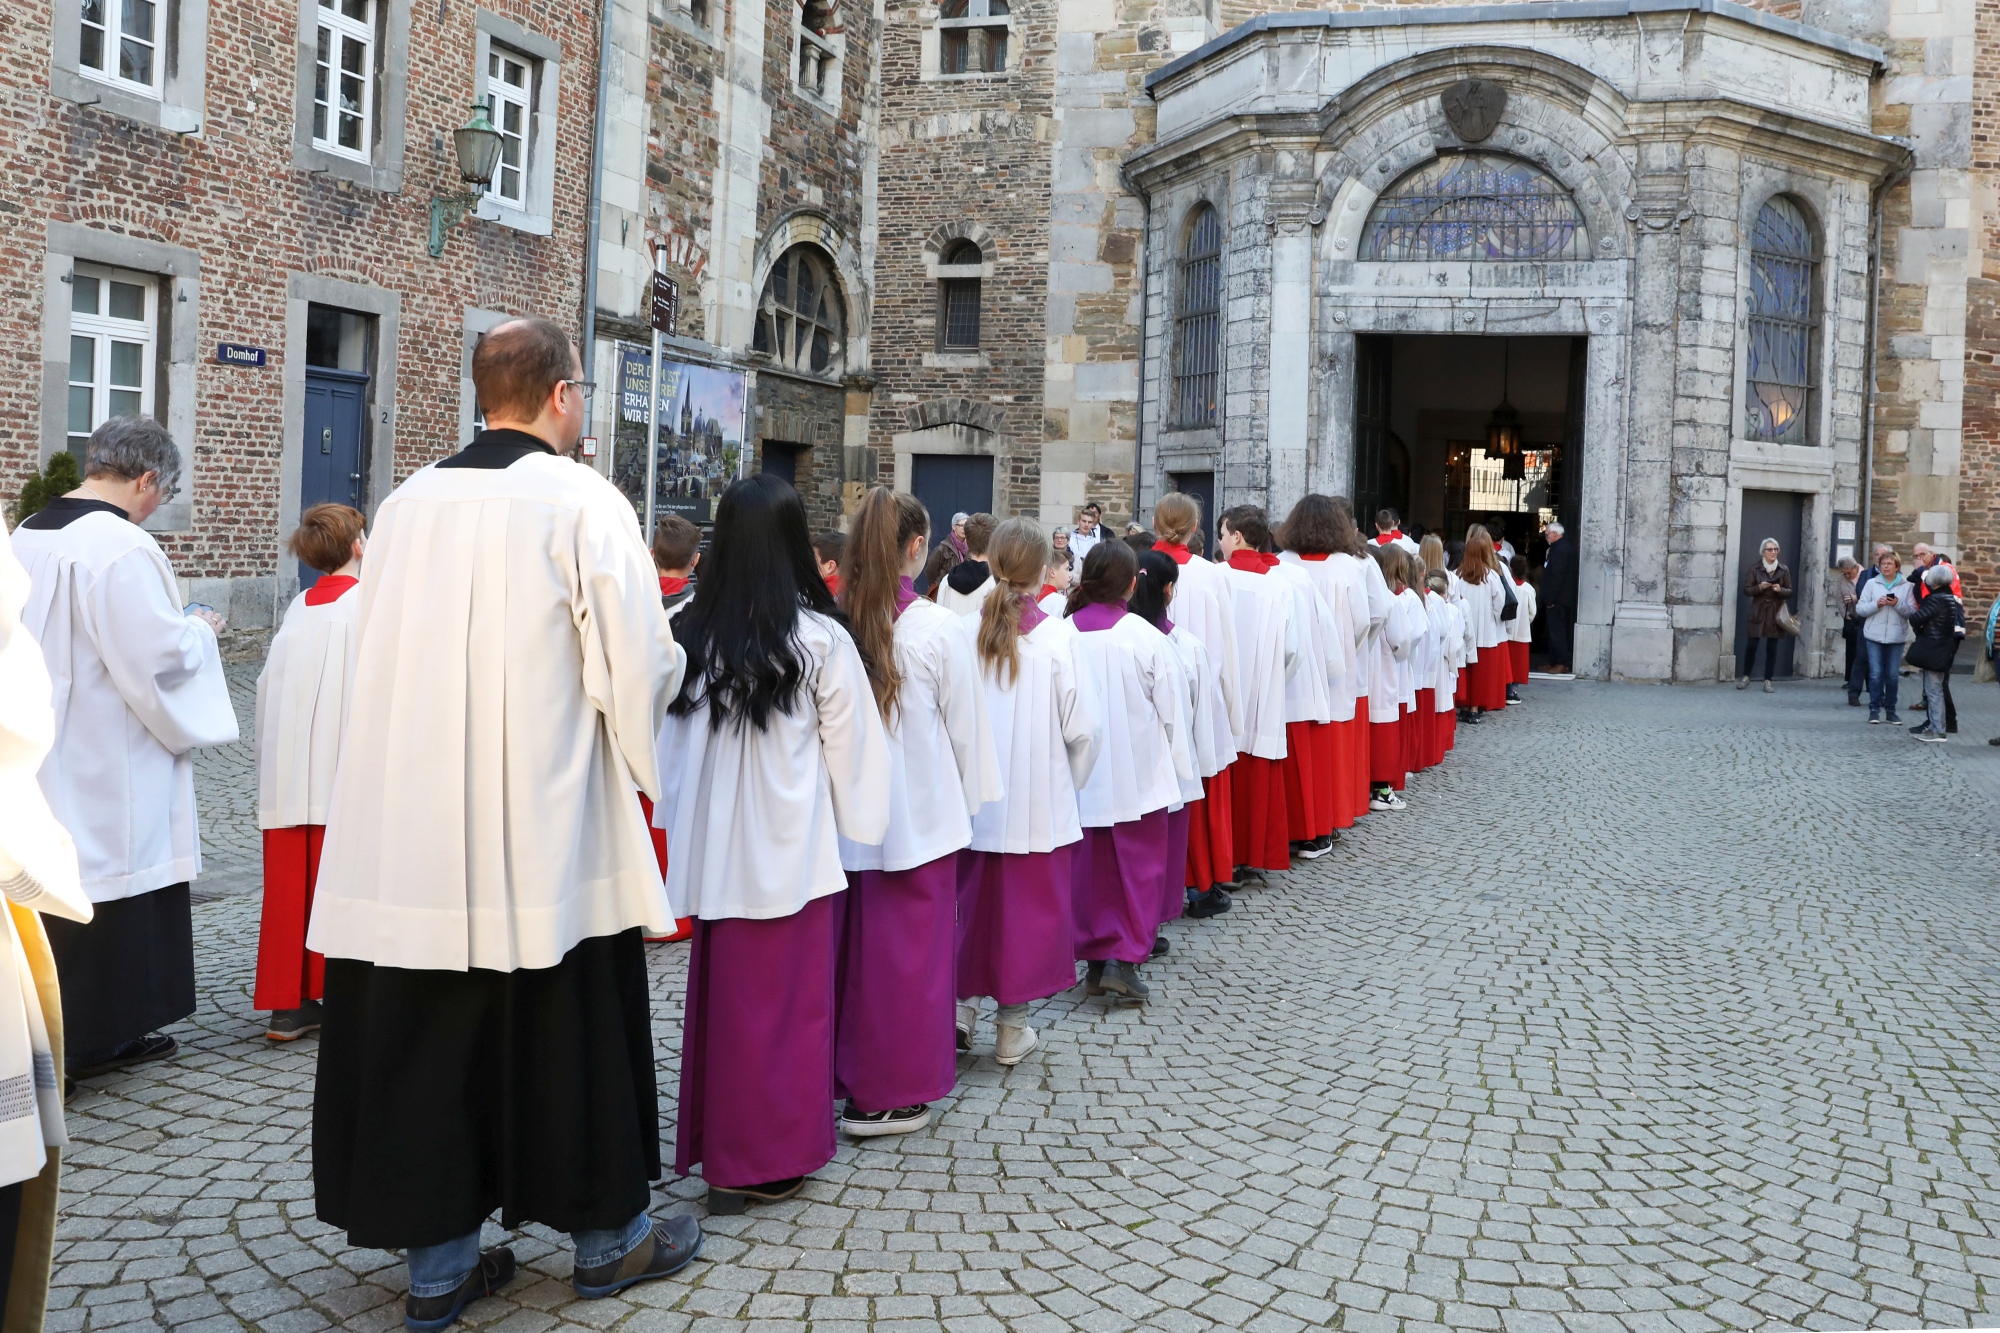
(1055, 588)
(828, 547)
(1411, 667)
(302, 697)
(1448, 622)
(1204, 609)
(1481, 597)
(676, 552)
(895, 1051)
(773, 747)
(1521, 629)
(970, 583)
(1211, 738)
(1134, 682)
(1014, 910)
(1266, 654)
(1313, 544)
(1388, 768)
(1309, 778)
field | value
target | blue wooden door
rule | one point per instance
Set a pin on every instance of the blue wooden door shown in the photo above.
(336, 414)
(951, 484)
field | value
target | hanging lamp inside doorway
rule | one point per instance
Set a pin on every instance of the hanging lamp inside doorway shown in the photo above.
(1503, 430)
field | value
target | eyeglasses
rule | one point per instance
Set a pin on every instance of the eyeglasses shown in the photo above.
(585, 387)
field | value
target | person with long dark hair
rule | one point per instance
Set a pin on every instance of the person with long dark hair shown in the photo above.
(772, 750)
(1014, 896)
(896, 1053)
(1205, 611)
(1320, 534)
(1136, 687)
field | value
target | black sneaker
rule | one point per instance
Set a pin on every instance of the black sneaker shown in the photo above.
(876, 1124)
(1122, 980)
(1160, 947)
(1251, 877)
(673, 1245)
(1216, 901)
(494, 1270)
(1312, 851)
(724, 1202)
(139, 1051)
(291, 1024)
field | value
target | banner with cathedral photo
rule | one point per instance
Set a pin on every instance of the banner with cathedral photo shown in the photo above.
(700, 446)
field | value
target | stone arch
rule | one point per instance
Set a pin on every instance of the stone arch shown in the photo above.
(1560, 118)
(806, 227)
(935, 412)
(946, 233)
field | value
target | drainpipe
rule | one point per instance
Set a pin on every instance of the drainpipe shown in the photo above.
(1145, 301)
(594, 234)
(1879, 197)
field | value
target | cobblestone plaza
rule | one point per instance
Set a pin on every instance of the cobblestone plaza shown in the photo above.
(1662, 1008)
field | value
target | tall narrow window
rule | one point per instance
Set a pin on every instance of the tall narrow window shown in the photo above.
(344, 78)
(958, 273)
(820, 43)
(510, 95)
(968, 42)
(1779, 393)
(119, 40)
(112, 347)
(800, 321)
(1198, 321)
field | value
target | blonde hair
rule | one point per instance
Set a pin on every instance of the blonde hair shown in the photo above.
(871, 567)
(1175, 517)
(1017, 554)
(1432, 554)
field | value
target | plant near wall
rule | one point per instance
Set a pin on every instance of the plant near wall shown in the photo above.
(59, 477)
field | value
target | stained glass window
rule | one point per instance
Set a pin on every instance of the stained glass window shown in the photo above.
(1198, 321)
(1781, 324)
(1476, 206)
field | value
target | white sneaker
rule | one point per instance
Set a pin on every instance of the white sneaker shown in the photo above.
(1388, 801)
(968, 1021)
(1014, 1043)
(876, 1124)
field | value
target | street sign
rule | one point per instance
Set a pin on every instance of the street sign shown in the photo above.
(666, 305)
(239, 354)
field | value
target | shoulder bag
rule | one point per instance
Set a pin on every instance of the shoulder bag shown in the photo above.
(1513, 607)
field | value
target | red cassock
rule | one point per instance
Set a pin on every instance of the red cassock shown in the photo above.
(1518, 652)
(1359, 765)
(684, 927)
(1211, 856)
(1262, 827)
(1424, 723)
(1303, 778)
(288, 974)
(1490, 676)
(1387, 765)
(1447, 731)
(1329, 743)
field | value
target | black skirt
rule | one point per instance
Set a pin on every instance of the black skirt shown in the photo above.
(127, 972)
(445, 1095)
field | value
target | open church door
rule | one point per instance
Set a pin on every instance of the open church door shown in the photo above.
(1371, 426)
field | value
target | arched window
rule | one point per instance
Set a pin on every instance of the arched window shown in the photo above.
(1779, 371)
(1475, 206)
(801, 321)
(958, 273)
(1198, 320)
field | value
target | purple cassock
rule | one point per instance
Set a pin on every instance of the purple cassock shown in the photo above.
(1115, 889)
(1173, 890)
(1014, 925)
(757, 1054)
(896, 1035)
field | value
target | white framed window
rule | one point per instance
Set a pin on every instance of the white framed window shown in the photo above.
(509, 90)
(343, 112)
(113, 347)
(973, 36)
(821, 44)
(120, 40)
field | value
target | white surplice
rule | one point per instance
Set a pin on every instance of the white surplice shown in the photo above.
(1309, 689)
(1390, 648)
(1133, 680)
(38, 871)
(1046, 737)
(137, 686)
(1212, 737)
(1413, 658)
(512, 666)
(302, 700)
(754, 818)
(1448, 625)
(1521, 629)
(1204, 607)
(942, 766)
(968, 604)
(1267, 646)
(1482, 604)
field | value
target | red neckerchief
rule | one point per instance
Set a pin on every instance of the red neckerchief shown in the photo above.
(1384, 538)
(669, 585)
(1180, 553)
(1047, 588)
(1256, 562)
(1315, 558)
(329, 588)
(833, 584)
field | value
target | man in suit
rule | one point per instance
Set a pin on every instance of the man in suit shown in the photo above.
(1559, 598)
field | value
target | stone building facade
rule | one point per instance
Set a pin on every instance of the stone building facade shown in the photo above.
(192, 231)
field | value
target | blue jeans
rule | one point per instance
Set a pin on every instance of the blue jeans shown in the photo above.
(436, 1270)
(1884, 661)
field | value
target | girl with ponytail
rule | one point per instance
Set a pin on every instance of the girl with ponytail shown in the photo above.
(1135, 684)
(894, 1049)
(1014, 882)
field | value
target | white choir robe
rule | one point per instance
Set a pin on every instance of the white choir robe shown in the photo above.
(512, 666)
(1204, 607)
(1053, 604)
(1309, 688)
(1482, 604)
(1341, 586)
(968, 604)
(38, 873)
(1410, 661)
(138, 685)
(1046, 738)
(1448, 625)
(754, 818)
(1213, 735)
(303, 694)
(1132, 676)
(1521, 629)
(942, 765)
(1391, 648)
(1267, 647)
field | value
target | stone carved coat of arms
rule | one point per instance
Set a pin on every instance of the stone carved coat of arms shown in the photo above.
(1472, 108)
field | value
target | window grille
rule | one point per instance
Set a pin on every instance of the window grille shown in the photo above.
(1779, 371)
(1475, 206)
(800, 319)
(958, 297)
(1198, 321)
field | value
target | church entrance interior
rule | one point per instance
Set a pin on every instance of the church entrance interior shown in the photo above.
(1453, 430)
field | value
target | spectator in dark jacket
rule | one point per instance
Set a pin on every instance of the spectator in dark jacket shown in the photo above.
(1558, 592)
(1852, 579)
(1927, 559)
(1768, 586)
(1938, 628)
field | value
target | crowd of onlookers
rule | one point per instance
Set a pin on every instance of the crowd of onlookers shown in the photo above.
(1897, 618)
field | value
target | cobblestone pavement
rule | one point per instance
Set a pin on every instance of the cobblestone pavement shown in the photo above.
(1661, 1009)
